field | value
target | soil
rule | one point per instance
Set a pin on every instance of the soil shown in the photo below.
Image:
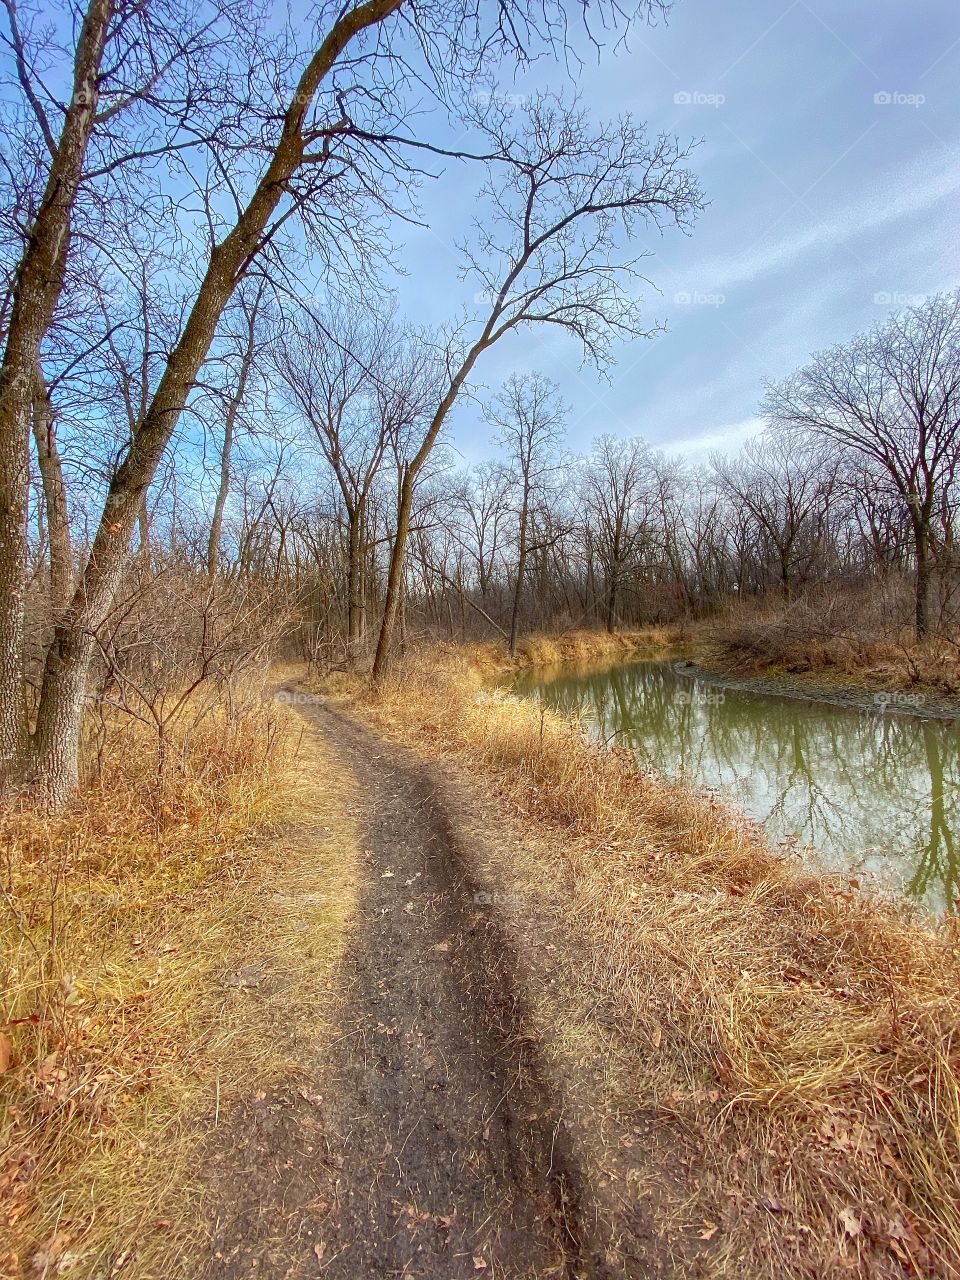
(426, 1138)
(859, 697)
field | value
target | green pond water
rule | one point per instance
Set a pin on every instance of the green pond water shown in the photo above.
(869, 793)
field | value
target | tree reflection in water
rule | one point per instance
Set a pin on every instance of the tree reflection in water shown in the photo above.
(867, 792)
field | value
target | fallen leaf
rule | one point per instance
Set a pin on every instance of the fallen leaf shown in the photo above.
(851, 1222)
(656, 1036)
(479, 1264)
(320, 1249)
(708, 1231)
(6, 1053)
(48, 1257)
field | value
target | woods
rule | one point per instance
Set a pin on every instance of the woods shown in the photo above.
(287, 175)
(218, 421)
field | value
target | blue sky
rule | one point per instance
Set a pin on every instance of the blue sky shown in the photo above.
(831, 163)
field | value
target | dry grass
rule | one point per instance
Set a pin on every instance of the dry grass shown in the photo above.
(836, 638)
(136, 929)
(790, 1048)
(556, 649)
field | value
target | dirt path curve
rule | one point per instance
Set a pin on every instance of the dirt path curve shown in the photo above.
(438, 1149)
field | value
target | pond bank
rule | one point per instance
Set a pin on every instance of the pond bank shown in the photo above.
(846, 788)
(817, 688)
(691, 647)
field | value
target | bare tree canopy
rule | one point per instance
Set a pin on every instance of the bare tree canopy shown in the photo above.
(162, 153)
(891, 397)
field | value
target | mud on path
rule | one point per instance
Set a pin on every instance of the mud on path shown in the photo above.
(434, 1146)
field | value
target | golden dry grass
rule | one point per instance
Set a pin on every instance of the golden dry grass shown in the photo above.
(543, 649)
(130, 924)
(797, 1045)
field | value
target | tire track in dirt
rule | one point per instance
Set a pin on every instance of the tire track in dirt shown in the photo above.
(438, 1149)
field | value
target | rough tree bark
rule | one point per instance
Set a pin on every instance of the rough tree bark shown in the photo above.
(50, 761)
(54, 499)
(36, 292)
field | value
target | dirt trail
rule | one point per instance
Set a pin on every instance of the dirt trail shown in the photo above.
(436, 1147)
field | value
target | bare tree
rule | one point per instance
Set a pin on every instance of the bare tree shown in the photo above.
(560, 195)
(330, 376)
(480, 512)
(239, 367)
(619, 499)
(150, 84)
(530, 418)
(787, 489)
(122, 53)
(891, 396)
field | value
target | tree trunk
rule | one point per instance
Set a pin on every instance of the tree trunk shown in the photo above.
(786, 586)
(55, 762)
(37, 289)
(229, 429)
(54, 501)
(68, 658)
(612, 591)
(356, 518)
(223, 491)
(922, 602)
(14, 737)
(394, 595)
(521, 567)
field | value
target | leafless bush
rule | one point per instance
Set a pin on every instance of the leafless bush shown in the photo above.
(177, 645)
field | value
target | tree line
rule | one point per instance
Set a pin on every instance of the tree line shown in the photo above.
(297, 510)
(171, 166)
(851, 483)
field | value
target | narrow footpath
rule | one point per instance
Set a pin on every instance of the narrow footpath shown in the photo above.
(425, 1140)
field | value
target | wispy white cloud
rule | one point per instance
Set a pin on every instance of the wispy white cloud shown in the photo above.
(724, 439)
(902, 193)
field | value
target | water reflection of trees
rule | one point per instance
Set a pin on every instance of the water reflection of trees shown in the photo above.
(868, 789)
(936, 871)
